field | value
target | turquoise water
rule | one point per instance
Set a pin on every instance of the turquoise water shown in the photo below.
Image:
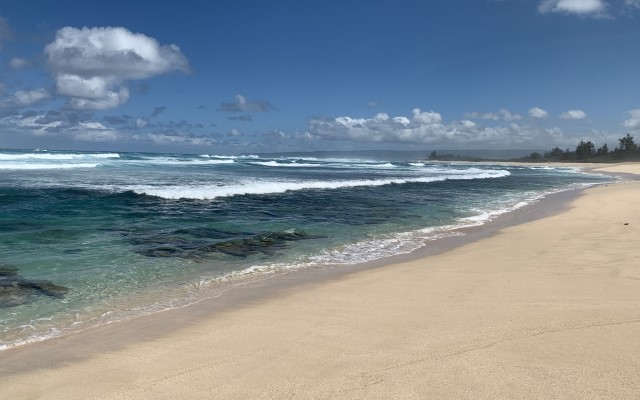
(91, 238)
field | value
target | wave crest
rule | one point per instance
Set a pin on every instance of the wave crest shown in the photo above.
(195, 192)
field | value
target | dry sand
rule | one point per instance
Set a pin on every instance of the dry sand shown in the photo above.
(549, 309)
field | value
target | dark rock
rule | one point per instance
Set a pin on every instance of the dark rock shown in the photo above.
(174, 246)
(16, 290)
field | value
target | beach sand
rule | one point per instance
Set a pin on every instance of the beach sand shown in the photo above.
(547, 309)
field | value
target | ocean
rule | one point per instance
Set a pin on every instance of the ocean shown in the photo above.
(89, 238)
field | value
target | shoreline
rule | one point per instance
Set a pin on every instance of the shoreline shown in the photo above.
(58, 357)
(429, 244)
(262, 285)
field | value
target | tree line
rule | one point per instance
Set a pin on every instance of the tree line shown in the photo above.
(627, 149)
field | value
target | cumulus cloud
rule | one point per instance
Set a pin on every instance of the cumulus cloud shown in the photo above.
(59, 124)
(241, 104)
(141, 123)
(23, 98)
(577, 7)
(634, 121)
(537, 112)
(422, 127)
(501, 115)
(92, 65)
(29, 97)
(429, 128)
(485, 116)
(17, 63)
(507, 116)
(165, 138)
(574, 114)
(234, 133)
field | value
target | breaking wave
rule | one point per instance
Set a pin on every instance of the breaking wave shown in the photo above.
(274, 187)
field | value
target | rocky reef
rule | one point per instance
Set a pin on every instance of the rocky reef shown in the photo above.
(16, 290)
(176, 244)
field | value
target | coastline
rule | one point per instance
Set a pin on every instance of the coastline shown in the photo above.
(478, 320)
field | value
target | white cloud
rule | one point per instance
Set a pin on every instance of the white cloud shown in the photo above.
(578, 7)
(20, 122)
(507, 116)
(574, 114)
(108, 100)
(23, 98)
(28, 97)
(241, 104)
(485, 116)
(91, 65)
(94, 132)
(61, 125)
(141, 123)
(425, 128)
(17, 63)
(168, 138)
(234, 133)
(537, 112)
(501, 115)
(634, 121)
(424, 117)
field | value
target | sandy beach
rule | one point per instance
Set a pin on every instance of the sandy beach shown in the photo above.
(546, 309)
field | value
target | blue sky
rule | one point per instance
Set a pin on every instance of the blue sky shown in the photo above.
(257, 76)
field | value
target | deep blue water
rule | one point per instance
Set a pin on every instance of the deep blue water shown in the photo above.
(89, 238)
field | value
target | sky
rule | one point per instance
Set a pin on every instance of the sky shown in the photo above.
(274, 76)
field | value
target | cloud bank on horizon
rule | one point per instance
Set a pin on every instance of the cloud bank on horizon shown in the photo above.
(86, 88)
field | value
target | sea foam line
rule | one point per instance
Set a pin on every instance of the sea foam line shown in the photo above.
(280, 164)
(55, 157)
(43, 166)
(254, 187)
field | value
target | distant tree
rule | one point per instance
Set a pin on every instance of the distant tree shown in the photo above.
(585, 150)
(568, 155)
(535, 156)
(433, 155)
(602, 151)
(627, 144)
(554, 154)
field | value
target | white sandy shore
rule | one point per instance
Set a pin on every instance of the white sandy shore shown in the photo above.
(548, 309)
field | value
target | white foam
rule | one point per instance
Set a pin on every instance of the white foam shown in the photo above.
(176, 161)
(385, 165)
(249, 156)
(274, 187)
(215, 162)
(38, 166)
(55, 157)
(280, 164)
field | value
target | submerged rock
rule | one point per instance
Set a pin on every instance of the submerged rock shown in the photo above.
(16, 290)
(175, 246)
